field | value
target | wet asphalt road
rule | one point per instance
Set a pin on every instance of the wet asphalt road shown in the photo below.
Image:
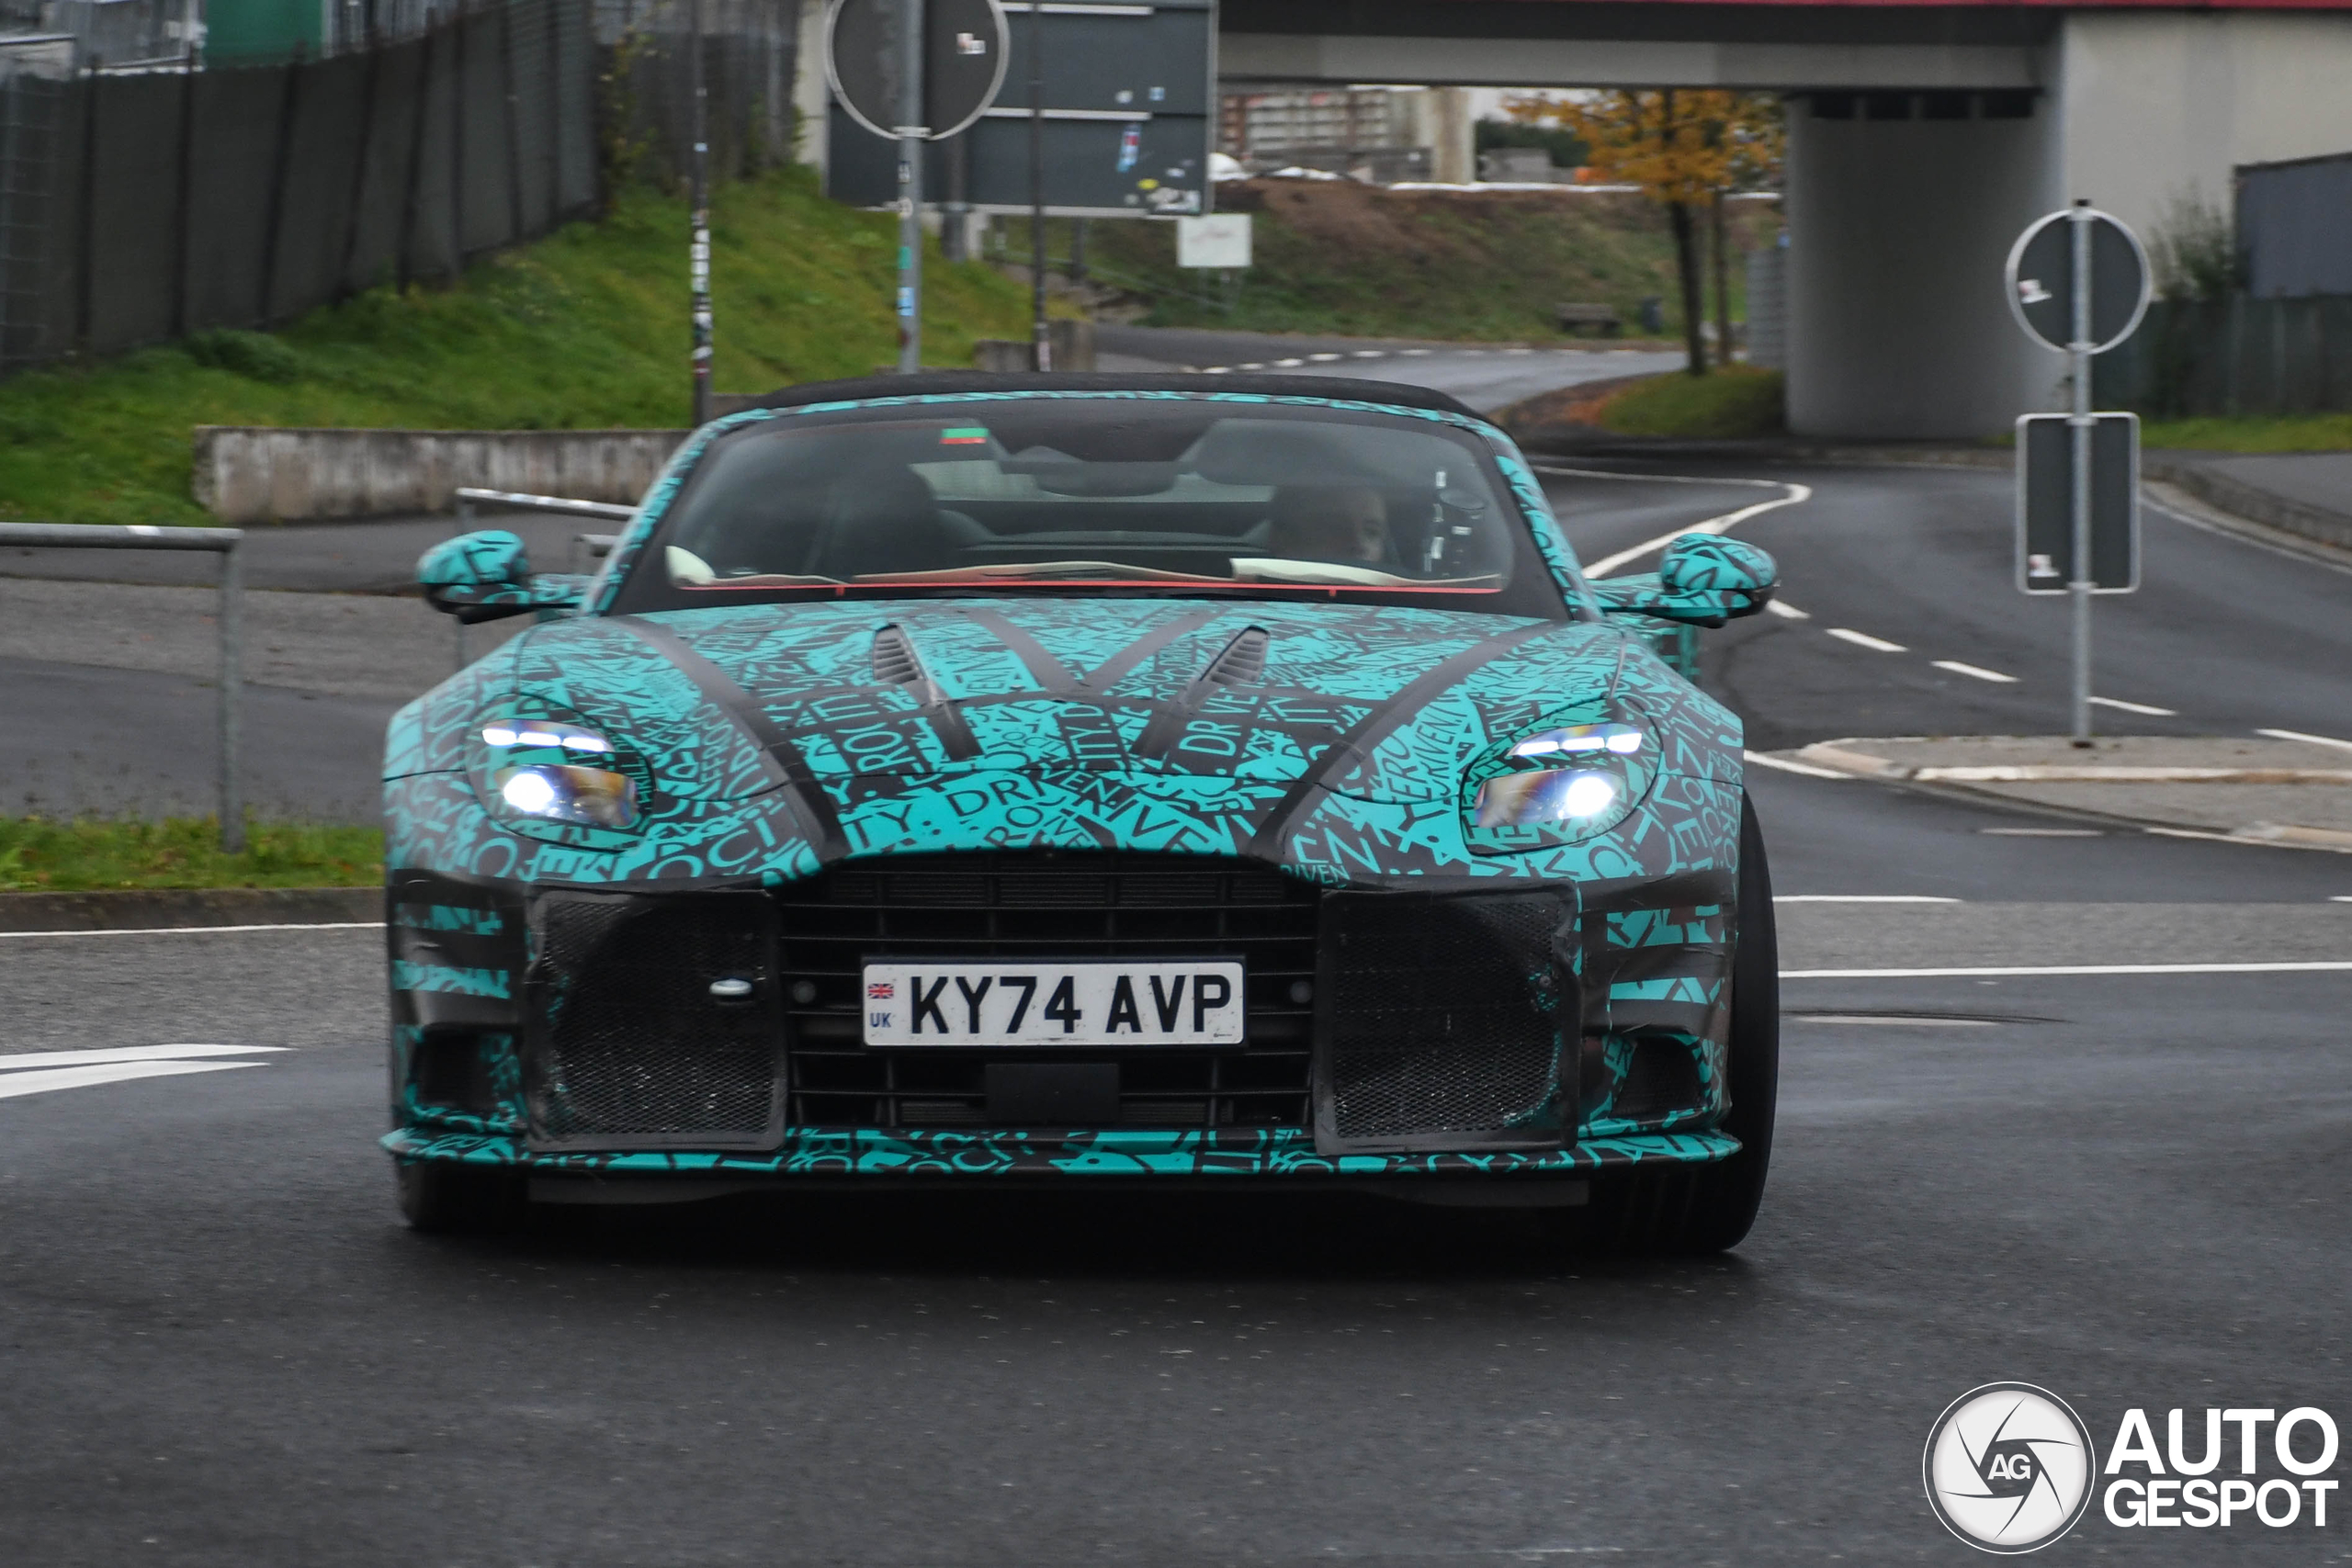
(218, 1347)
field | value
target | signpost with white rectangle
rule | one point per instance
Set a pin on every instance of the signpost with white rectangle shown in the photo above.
(2078, 282)
(1219, 239)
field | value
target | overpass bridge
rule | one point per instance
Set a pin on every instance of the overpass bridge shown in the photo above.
(1922, 137)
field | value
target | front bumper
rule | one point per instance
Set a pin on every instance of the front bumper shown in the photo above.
(1466, 1035)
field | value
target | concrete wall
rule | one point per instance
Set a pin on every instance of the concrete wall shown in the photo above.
(245, 474)
(2157, 105)
(1898, 230)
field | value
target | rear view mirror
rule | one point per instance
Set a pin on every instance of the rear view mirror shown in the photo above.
(487, 576)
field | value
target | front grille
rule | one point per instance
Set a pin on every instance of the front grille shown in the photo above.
(1443, 1020)
(627, 1048)
(1042, 904)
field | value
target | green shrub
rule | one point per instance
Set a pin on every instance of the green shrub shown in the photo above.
(1731, 402)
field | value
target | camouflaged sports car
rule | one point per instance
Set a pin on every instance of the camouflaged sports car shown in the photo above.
(1212, 780)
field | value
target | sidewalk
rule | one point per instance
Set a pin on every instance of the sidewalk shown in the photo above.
(2286, 792)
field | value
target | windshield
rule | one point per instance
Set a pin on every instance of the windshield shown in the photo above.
(1183, 496)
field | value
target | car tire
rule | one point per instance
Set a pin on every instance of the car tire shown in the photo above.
(438, 1197)
(1709, 1207)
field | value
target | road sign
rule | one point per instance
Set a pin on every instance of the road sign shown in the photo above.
(1221, 239)
(2045, 523)
(964, 58)
(2078, 282)
(1125, 122)
(2042, 279)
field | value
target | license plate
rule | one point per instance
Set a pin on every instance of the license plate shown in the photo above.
(909, 1002)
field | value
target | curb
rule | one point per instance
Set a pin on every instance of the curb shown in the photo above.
(1969, 785)
(164, 908)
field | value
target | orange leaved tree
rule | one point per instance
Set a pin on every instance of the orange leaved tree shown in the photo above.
(1685, 148)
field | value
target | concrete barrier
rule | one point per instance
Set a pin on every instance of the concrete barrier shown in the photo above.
(249, 474)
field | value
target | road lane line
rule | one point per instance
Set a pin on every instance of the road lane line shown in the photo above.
(1861, 898)
(2135, 707)
(2299, 735)
(1786, 610)
(1371, 354)
(129, 1054)
(16, 1083)
(1978, 671)
(1864, 640)
(1765, 758)
(2329, 967)
(1722, 524)
(194, 931)
(1325, 358)
(2248, 839)
(2045, 832)
(1288, 364)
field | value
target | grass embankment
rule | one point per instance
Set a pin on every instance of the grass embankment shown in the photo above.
(1728, 402)
(2280, 433)
(38, 856)
(585, 327)
(1340, 257)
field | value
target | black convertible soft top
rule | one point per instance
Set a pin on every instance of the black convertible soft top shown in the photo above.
(1346, 388)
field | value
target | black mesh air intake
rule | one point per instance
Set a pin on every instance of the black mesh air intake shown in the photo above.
(1441, 1021)
(627, 1046)
(1661, 1077)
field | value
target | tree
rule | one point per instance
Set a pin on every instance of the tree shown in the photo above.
(1685, 148)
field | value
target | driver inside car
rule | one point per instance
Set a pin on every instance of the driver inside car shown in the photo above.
(1333, 523)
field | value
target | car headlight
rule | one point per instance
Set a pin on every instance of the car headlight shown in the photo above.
(1557, 786)
(559, 772)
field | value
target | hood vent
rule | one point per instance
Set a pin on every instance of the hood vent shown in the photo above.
(896, 663)
(1242, 662)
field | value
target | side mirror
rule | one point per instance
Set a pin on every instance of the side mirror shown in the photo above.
(487, 576)
(1704, 579)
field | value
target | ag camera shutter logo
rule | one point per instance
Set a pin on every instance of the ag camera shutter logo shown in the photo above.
(2009, 1468)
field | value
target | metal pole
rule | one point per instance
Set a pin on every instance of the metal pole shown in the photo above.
(698, 248)
(464, 526)
(233, 602)
(912, 135)
(2080, 425)
(1041, 342)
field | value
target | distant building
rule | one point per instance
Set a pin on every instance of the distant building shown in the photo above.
(1378, 134)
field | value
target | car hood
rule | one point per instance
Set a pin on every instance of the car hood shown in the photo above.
(1256, 692)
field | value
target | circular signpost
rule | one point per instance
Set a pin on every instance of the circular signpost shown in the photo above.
(2042, 279)
(963, 61)
(911, 71)
(2078, 282)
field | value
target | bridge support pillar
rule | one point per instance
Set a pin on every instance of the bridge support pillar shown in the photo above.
(1897, 232)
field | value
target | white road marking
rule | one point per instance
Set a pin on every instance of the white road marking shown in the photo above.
(1861, 898)
(1722, 524)
(15, 1084)
(1864, 640)
(2311, 739)
(2134, 707)
(1766, 759)
(1288, 364)
(2068, 969)
(1213, 371)
(2340, 898)
(129, 1054)
(1785, 610)
(205, 931)
(1371, 354)
(2247, 839)
(1254, 365)
(1325, 358)
(2045, 832)
(1981, 674)
(1893, 1018)
(1416, 352)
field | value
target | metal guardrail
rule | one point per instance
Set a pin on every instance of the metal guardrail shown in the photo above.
(223, 542)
